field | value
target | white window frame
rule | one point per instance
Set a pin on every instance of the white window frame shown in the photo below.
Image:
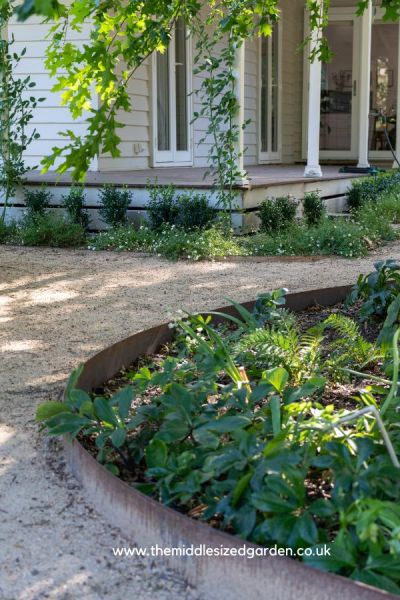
(270, 157)
(173, 157)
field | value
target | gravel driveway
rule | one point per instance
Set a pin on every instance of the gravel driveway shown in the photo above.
(58, 307)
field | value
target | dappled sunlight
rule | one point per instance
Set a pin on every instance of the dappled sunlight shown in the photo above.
(43, 587)
(6, 460)
(47, 296)
(21, 346)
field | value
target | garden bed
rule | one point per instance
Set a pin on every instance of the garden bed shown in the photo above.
(161, 525)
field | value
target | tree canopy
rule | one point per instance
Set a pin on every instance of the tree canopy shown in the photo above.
(123, 34)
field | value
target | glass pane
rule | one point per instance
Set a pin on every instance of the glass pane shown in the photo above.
(337, 89)
(181, 86)
(274, 89)
(384, 58)
(163, 132)
(264, 94)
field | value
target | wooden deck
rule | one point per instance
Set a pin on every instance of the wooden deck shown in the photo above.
(259, 176)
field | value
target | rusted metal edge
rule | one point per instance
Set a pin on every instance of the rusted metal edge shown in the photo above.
(147, 523)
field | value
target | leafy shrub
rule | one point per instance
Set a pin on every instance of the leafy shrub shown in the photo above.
(114, 205)
(187, 211)
(8, 232)
(277, 214)
(37, 201)
(194, 212)
(314, 209)
(74, 203)
(51, 230)
(162, 208)
(377, 290)
(371, 189)
(389, 205)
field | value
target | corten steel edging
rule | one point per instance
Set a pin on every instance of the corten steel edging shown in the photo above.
(146, 522)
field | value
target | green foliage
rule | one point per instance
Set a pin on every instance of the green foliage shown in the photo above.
(188, 211)
(8, 232)
(371, 189)
(50, 230)
(17, 103)
(114, 205)
(277, 213)
(74, 203)
(377, 290)
(314, 209)
(37, 201)
(251, 446)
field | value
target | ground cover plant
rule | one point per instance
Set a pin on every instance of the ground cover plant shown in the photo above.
(278, 427)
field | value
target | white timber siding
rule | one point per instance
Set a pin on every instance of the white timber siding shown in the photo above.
(50, 118)
(135, 146)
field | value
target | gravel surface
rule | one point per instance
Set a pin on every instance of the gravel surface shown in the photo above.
(58, 307)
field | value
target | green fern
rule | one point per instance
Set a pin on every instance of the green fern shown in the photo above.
(281, 347)
(349, 349)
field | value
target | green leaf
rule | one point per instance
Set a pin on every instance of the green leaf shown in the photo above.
(227, 424)
(50, 409)
(156, 454)
(123, 399)
(172, 431)
(104, 411)
(112, 468)
(277, 377)
(240, 488)
(306, 528)
(78, 397)
(275, 404)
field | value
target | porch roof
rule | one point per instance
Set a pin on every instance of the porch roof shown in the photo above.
(192, 177)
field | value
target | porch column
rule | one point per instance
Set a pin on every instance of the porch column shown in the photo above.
(313, 168)
(364, 92)
(238, 120)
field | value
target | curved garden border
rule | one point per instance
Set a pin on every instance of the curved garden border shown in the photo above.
(144, 521)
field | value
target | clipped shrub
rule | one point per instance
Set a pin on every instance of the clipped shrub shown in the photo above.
(162, 208)
(277, 213)
(114, 204)
(7, 232)
(313, 207)
(370, 189)
(74, 203)
(37, 201)
(187, 211)
(193, 212)
(51, 230)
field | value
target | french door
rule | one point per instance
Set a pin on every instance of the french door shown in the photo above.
(270, 97)
(339, 87)
(172, 101)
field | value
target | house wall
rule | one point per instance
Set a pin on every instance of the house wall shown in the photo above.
(49, 117)
(135, 146)
(292, 78)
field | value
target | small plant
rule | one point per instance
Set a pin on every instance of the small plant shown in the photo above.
(162, 208)
(74, 203)
(371, 189)
(188, 211)
(50, 230)
(277, 214)
(114, 205)
(194, 212)
(314, 209)
(377, 290)
(37, 201)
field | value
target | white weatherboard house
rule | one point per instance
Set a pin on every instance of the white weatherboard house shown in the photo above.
(307, 119)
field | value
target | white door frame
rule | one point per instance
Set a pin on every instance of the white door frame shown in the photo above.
(337, 14)
(173, 157)
(270, 157)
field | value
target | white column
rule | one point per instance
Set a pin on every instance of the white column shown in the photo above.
(364, 86)
(238, 121)
(313, 168)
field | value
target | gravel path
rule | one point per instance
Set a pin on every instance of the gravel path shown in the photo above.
(57, 308)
